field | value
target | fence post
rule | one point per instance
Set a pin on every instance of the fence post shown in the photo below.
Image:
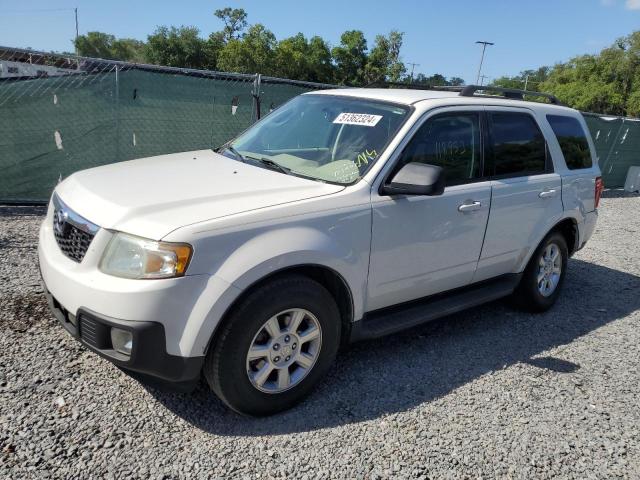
(256, 95)
(117, 113)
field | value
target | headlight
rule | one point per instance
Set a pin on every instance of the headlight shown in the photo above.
(134, 257)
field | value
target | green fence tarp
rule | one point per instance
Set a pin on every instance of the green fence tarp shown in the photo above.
(52, 127)
(617, 142)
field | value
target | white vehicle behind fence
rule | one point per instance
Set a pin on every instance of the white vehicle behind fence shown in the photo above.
(343, 215)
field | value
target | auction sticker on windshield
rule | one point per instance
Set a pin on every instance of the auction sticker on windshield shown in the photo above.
(363, 119)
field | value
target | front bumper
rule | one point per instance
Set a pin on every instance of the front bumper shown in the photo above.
(148, 355)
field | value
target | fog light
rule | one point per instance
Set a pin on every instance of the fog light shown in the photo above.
(121, 340)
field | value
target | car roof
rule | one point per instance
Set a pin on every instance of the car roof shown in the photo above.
(409, 96)
(397, 95)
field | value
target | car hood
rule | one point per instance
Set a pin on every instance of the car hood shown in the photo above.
(151, 197)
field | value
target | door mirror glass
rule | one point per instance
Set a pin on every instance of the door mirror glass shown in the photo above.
(416, 178)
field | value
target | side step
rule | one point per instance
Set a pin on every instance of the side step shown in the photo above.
(400, 317)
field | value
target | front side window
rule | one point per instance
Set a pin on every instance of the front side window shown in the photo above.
(450, 141)
(518, 145)
(573, 141)
(328, 138)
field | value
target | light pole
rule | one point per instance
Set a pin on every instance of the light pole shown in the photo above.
(484, 47)
(76, 42)
(413, 65)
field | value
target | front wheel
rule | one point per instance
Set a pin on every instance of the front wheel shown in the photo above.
(275, 346)
(543, 278)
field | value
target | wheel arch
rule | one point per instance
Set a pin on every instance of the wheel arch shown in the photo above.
(326, 276)
(568, 227)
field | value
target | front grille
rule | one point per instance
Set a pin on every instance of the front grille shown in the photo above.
(73, 242)
(73, 233)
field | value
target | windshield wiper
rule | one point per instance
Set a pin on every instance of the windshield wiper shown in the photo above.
(237, 154)
(272, 164)
(265, 161)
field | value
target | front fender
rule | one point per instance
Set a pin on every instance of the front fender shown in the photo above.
(237, 260)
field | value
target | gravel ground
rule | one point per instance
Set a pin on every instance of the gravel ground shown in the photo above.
(487, 393)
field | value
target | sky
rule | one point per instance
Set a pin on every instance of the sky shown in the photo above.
(439, 35)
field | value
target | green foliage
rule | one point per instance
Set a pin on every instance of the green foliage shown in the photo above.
(243, 48)
(527, 79)
(103, 45)
(295, 57)
(608, 82)
(383, 61)
(435, 80)
(252, 53)
(235, 21)
(177, 47)
(321, 68)
(350, 58)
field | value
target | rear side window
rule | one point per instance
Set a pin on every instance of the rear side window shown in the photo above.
(573, 141)
(518, 145)
(450, 141)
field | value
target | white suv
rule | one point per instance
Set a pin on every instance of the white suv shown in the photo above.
(343, 215)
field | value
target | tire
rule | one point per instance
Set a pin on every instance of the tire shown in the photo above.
(533, 296)
(236, 379)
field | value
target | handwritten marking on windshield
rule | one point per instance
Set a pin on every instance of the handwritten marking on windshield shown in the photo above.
(364, 157)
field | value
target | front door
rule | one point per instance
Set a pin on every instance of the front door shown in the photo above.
(422, 245)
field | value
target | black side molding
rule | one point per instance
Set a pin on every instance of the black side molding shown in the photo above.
(380, 323)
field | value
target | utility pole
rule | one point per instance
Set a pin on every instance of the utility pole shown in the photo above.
(76, 42)
(413, 65)
(482, 77)
(484, 47)
(526, 81)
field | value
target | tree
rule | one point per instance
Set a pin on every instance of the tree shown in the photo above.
(103, 45)
(291, 58)
(252, 53)
(435, 80)
(297, 58)
(177, 47)
(235, 21)
(383, 61)
(351, 58)
(320, 61)
(529, 79)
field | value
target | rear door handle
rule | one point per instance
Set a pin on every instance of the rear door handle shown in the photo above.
(547, 194)
(470, 207)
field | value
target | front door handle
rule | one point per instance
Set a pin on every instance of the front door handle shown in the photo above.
(547, 194)
(470, 207)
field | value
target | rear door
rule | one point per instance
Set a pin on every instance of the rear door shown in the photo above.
(578, 180)
(526, 192)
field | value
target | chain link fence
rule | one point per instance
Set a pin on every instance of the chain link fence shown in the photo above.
(62, 113)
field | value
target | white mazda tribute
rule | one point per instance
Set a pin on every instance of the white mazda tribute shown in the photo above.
(343, 215)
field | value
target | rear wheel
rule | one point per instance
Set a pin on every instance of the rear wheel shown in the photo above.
(275, 346)
(543, 278)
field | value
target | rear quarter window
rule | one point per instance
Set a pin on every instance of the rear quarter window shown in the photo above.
(573, 141)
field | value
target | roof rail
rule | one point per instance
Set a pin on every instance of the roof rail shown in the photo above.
(511, 93)
(470, 90)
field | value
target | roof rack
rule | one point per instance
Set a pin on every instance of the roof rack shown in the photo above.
(470, 90)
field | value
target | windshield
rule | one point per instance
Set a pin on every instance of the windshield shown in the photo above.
(328, 138)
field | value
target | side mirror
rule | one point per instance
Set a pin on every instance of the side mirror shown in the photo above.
(415, 179)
